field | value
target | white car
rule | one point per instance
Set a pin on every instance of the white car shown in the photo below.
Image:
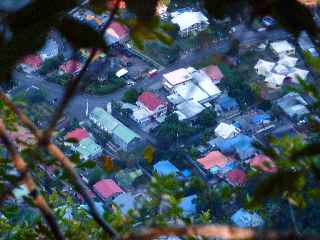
(131, 83)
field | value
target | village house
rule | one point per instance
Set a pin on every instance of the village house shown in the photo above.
(294, 106)
(225, 130)
(175, 78)
(282, 48)
(107, 189)
(153, 104)
(189, 22)
(116, 33)
(306, 44)
(236, 177)
(70, 67)
(263, 163)
(214, 73)
(31, 63)
(165, 168)
(121, 135)
(245, 219)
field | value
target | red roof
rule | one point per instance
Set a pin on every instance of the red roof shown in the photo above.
(78, 134)
(107, 188)
(112, 3)
(214, 158)
(264, 163)
(214, 72)
(118, 30)
(34, 60)
(150, 100)
(236, 177)
(71, 66)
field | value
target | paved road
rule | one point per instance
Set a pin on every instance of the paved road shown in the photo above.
(77, 106)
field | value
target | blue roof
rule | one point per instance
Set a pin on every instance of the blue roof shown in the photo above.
(186, 173)
(188, 205)
(165, 168)
(259, 118)
(234, 145)
(227, 102)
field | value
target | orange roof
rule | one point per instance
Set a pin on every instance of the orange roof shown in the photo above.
(264, 163)
(214, 158)
(214, 72)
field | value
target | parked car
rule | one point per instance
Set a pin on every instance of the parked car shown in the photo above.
(152, 72)
(130, 83)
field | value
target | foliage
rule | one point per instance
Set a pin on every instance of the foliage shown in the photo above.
(149, 154)
(207, 118)
(50, 64)
(237, 86)
(173, 130)
(130, 96)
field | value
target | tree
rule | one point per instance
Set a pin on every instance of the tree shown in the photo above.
(207, 118)
(130, 96)
(148, 154)
(172, 130)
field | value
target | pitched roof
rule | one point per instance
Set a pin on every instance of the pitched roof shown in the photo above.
(177, 76)
(125, 202)
(117, 30)
(236, 177)
(188, 205)
(245, 219)
(150, 100)
(124, 133)
(281, 46)
(188, 19)
(165, 168)
(77, 134)
(107, 188)
(225, 130)
(34, 60)
(264, 163)
(214, 72)
(214, 158)
(71, 66)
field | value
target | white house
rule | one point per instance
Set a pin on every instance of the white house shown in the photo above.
(190, 22)
(188, 110)
(175, 78)
(226, 131)
(282, 48)
(264, 67)
(288, 61)
(274, 80)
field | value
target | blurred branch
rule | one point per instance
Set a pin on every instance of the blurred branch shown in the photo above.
(72, 86)
(65, 162)
(22, 168)
(216, 232)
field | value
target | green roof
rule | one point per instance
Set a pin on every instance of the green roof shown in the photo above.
(124, 133)
(105, 118)
(87, 147)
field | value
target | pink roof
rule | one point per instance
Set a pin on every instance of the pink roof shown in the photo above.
(118, 30)
(78, 134)
(214, 158)
(34, 60)
(214, 72)
(107, 188)
(236, 177)
(71, 66)
(150, 100)
(264, 163)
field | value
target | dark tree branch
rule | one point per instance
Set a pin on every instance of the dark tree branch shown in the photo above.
(72, 86)
(22, 168)
(65, 162)
(216, 231)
